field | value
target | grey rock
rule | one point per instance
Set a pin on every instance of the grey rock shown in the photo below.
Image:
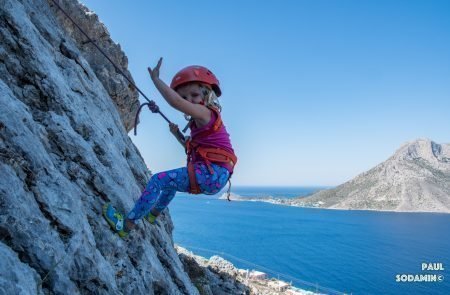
(213, 276)
(16, 277)
(121, 91)
(64, 152)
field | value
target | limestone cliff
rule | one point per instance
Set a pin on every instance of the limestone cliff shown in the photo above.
(64, 152)
(415, 179)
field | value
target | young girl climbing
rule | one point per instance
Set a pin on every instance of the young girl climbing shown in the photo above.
(194, 91)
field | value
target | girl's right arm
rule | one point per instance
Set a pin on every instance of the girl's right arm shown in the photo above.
(196, 111)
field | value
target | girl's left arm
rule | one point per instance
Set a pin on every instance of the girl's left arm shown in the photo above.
(177, 133)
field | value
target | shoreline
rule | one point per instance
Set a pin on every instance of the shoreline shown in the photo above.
(279, 201)
(258, 282)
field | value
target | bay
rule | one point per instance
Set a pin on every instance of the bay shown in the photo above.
(352, 251)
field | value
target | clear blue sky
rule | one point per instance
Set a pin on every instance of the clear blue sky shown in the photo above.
(314, 92)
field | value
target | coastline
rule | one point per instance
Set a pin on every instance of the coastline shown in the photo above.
(206, 273)
(288, 202)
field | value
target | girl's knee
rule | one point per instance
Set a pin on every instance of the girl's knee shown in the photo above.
(156, 179)
(153, 184)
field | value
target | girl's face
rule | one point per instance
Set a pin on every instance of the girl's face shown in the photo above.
(192, 92)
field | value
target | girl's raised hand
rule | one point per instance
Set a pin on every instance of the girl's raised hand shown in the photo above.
(154, 74)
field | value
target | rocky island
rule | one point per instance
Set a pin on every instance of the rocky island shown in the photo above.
(415, 179)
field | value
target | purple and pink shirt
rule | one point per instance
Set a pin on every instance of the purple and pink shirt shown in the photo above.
(219, 139)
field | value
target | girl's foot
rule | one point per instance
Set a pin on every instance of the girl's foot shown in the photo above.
(115, 220)
(150, 218)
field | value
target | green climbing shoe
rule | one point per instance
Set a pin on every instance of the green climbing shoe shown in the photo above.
(115, 220)
(150, 218)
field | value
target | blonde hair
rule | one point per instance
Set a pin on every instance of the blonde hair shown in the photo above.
(209, 98)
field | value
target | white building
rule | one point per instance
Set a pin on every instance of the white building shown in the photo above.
(257, 275)
(279, 285)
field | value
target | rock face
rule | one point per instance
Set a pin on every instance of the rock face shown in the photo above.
(124, 95)
(415, 178)
(212, 277)
(64, 152)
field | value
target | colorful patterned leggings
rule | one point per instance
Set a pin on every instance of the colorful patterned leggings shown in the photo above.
(162, 187)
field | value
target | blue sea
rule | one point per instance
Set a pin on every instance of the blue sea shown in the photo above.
(357, 252)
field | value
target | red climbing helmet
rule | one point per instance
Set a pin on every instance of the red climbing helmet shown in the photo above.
(196, 74)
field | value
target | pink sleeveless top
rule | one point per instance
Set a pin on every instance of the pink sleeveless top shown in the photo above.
(218, 139)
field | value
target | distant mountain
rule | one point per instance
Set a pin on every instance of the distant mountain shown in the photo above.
(415, 179)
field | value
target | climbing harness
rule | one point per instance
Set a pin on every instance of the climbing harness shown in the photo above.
(150, 103)
(194, 151)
